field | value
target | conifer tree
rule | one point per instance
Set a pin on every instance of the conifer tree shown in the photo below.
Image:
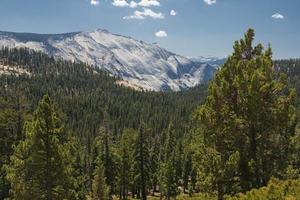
(100, 190)
(187, 169)
(246, 121)
(41, 165)
(154, 157)
(168, 184)
(141, 161)
(126, 154)
(108, 156)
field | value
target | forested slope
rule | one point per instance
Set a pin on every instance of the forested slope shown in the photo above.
(89, 98)
(83, 93)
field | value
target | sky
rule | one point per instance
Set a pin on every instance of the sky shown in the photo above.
(187, 27)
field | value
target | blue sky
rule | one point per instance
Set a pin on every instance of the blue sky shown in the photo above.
(193, 28)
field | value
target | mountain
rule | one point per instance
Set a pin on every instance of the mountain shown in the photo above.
(212, 60)
(139, 63)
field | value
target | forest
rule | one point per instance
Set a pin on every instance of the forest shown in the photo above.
(68, 131)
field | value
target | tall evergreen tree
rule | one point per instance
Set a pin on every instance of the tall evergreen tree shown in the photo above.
(108, 156)
(168, 185)
(126, 154)
(246, 121)
(100, 190)
(141, 161)
(41, 165)
(154, 157)
(187, 168)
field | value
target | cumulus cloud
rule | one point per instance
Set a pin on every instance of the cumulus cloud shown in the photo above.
(120, 3)
(94, 2)
(161, 34)
(148, 3)
(210, 2)
(134, 4)
(145, 13)
(277, 16)
(173, 13)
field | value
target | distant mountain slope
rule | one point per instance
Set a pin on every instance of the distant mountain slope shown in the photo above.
(143, 64)
(209, 60)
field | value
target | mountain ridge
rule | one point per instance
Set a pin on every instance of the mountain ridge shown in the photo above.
(138, 62)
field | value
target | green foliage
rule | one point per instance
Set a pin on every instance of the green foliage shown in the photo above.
(168, 185)
(40, 166)
(290, 67)
(12, 114)
(107, 155)
(275, 190)
(100, 191)
(293, 158)
(85, 93)
(245, 125)
(127, 161)
(141, 163)
(88, 96)
(279, 190)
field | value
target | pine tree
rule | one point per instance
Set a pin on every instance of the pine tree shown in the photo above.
(100, 190)
(168, 184)
(187, 168)
(108, 156)
(154, 164)
(126, 154)
(178, 163)
(246, 121)
(141, 164)
(41, 165)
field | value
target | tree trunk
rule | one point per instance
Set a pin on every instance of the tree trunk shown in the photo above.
(220, 192)
(48, 170)
(133, 192)
(143, 181)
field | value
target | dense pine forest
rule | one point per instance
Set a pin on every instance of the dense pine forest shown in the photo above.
(68, 131)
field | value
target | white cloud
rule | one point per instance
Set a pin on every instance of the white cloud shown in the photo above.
(277, 16)
(136, 15)
(145, 13)
(120, 3)
(148, 3)
(134, 4)
(161, 34)
(173, 13)
(94, 2)
(210, 2)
